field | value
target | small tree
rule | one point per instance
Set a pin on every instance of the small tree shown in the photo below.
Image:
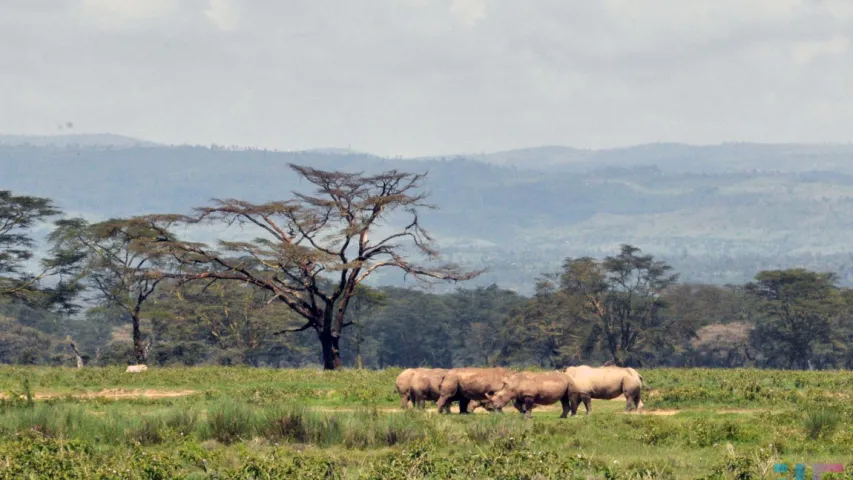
(316, 248)
(622, 294)
(122, 262)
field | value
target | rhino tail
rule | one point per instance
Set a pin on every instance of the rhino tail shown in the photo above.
(643, 382)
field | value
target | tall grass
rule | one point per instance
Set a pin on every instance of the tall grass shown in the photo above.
(230, 421)
(820, 422)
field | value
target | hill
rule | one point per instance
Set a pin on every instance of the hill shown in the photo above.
(718, 213)
(105, 140)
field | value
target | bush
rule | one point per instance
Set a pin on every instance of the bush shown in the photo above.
(181, 420)
(231, 421)
(820, 422)
(148, 431)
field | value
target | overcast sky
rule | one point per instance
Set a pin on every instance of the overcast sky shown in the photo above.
(415, 77)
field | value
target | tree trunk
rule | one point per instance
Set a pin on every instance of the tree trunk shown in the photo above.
(77, 355)
(358, 340)
(139, 349)
(331, 350)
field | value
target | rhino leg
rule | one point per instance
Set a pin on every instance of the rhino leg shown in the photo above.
(529, 403)
(567, 406)
(463, 406)
(633, 401)
(443, 404)
(587, 403)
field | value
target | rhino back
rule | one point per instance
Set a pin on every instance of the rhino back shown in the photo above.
(404, 379)
(476, 382)
(546, 388)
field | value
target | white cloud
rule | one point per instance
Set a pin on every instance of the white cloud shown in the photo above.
(841, 9)
(469, 12)
(126, 12)
(222, 13)
(805, 52)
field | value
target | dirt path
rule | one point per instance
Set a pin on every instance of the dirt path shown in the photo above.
(121, 393)
(115, 393)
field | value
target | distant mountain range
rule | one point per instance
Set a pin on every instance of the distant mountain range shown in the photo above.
(718, 213)
(81, 140)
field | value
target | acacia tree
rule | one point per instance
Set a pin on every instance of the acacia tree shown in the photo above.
(622, 294)
(799, 309)
(18, 216)
(122, 261)
(315, 249)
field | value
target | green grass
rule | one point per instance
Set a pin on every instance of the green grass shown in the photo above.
(261, 423)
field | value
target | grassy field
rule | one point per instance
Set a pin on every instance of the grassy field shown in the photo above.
(216, 422)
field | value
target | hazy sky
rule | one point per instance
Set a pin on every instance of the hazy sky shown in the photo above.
(412, 77)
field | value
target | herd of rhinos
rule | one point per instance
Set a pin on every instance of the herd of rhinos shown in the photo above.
(493, 388)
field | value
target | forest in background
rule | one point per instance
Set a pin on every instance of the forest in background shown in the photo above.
(696, 325)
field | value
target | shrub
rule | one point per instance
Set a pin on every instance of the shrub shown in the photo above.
(148, 431)
(181, 420)
(820, 422)
(231, 421)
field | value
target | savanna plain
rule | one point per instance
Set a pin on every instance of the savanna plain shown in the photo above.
(252, 423)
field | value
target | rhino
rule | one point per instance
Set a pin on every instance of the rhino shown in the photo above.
(608, 383)
(425, 385)
(403, 384)
(528, 389)
(470, 384)
(136, 368)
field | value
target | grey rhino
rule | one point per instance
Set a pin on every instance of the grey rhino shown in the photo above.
(608, 383)
(403, 384)
(528, 389)
(425, 385)
(470, 384)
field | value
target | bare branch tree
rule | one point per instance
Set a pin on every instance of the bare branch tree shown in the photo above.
(315, 249)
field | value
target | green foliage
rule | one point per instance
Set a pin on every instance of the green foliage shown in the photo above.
(231, 421)
(820, 422)
(799, 307)
(18, 216)
(621, 296)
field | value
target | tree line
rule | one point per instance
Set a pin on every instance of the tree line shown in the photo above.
(293, 293)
